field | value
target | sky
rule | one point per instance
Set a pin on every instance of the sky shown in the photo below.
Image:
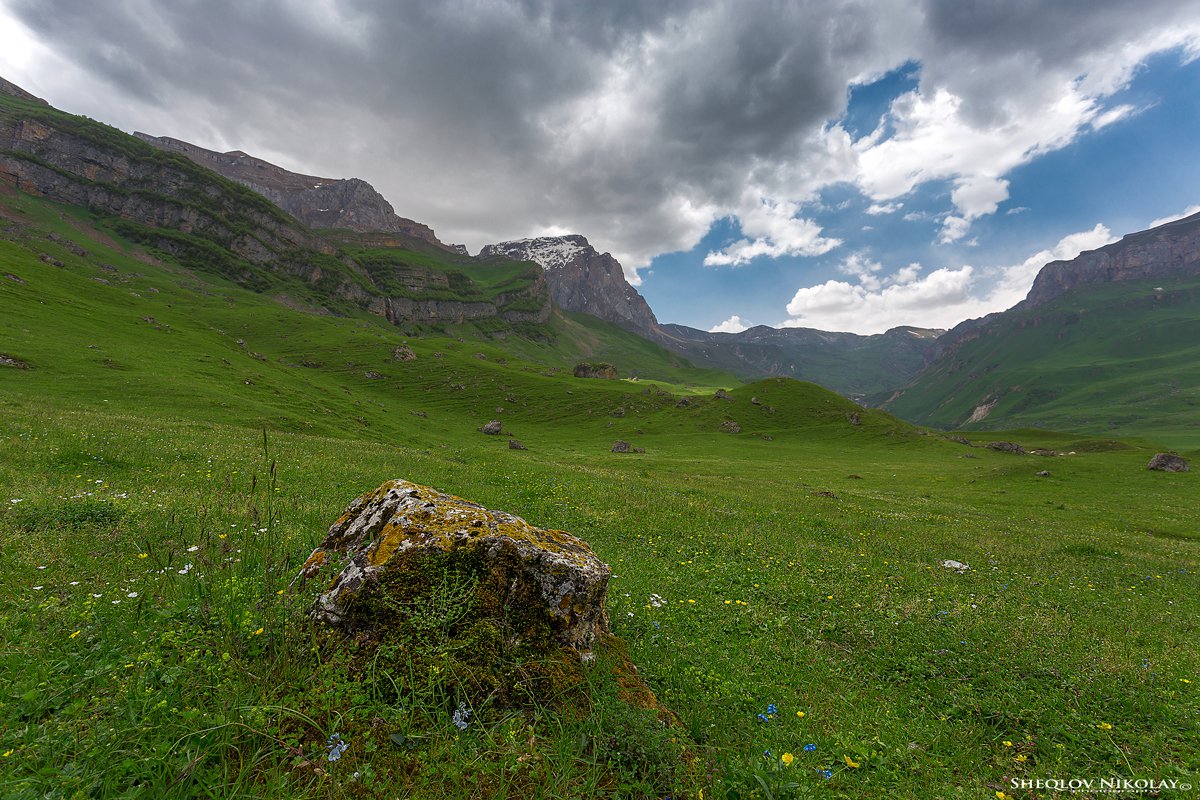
(846, 165)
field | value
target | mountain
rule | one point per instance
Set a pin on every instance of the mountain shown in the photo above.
(850, 364)
(317, 202)
(209, 223)
(582, 279)
(1108, 342)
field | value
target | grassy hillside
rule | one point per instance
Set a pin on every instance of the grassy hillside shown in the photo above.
(1117, 359)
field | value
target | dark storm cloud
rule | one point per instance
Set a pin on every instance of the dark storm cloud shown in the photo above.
(633, 122)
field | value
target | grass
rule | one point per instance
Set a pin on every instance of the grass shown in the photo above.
(171, 457)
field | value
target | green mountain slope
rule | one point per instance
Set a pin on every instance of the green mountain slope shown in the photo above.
(89, 315)
(1114, 359)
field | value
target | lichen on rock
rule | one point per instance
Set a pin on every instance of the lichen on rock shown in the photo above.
(400, 544)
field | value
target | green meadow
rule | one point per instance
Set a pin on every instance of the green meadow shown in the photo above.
(175, 447)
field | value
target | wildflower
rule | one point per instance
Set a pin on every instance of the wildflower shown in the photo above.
(257, 632)
(763, 718)
(787, 759)
(1021, 758)
(279, 592)
(851, 763)
(132, 595)
(73, 635)
(193, 548)
(222, 535)
(771, 709)
(38, 588)
(1007, 743)
(825, 773)
(336, 746)
(808, 748)
(1184, 680)
(800, 714)
(1104, 726)
(143, 555)
(1001, 796)
(8, 753)
(462, 717)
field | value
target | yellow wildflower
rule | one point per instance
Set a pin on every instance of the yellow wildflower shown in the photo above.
(787, 759)
(1021, 758)
(1007, 743)
(257, 632)
(851, 763)
(76, 633)
(8, 753)
(1104, 726)
(800, 714)
(143, 555)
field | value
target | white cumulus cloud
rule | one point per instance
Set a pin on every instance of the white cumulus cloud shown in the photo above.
(772, 228)
(940, 299)
(734, 324)
(1187, 212)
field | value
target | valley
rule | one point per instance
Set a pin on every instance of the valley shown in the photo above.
(194, 385)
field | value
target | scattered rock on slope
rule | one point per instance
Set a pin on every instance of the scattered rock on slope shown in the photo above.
(492, 428)
(12, 361)
(621, 447)
(1168, 462)
(1006, 447)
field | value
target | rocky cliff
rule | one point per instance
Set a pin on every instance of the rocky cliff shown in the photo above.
(1172, 249)
(210, 223)
(582, 279)
(317, 202)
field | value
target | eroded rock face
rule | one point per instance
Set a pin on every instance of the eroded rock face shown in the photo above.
(526, 585)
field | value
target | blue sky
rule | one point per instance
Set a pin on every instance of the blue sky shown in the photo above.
(1122, 177)
(823, 163)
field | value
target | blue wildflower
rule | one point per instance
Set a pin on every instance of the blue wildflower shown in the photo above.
(808, 748)
(763, 718)
(336, 747)
(825, 773)
(771, 709)
(462, 717)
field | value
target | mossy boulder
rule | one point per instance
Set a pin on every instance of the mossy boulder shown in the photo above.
(413, 563)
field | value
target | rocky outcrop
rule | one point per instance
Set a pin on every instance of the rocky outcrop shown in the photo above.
(317, 202)
(1171, 250)
(1168, 462)
(404, 546)
(12, 90)
(79, 162)
(599, 370)
(582, 279)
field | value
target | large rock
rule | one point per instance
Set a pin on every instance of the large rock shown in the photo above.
(598, 370)
(1168, 462)
(405, 548)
